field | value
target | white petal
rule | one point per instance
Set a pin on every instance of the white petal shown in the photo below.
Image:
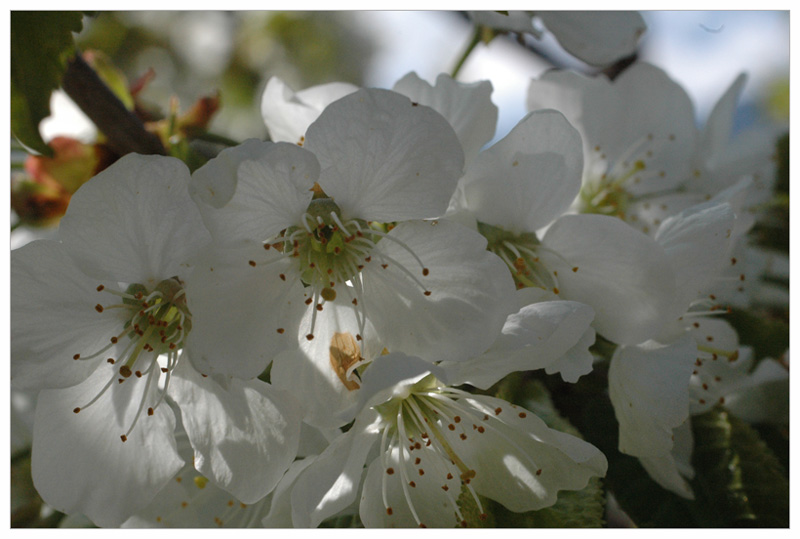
(466, 106)
(214, 184)
(79, 462)
(697, 242)
(280, 510)
(433, 506)
(244, 434)
(190, 500)
(528, 178)
(649, 388)
(522, 463)
(53, 317)
(536, 337)
(670, 470)
(320, 364)
(384, 158)
(596, 37)
(471, 291)
(273, 189)
(288, 114)
(134, 222)
(717, 133)
(331, 483)
(242, 315)
(514, 21)
(621, 273)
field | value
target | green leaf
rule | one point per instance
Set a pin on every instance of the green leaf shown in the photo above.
(767, 334)
(738, 472)
(574, 509)
(588, 407)
(41, 44)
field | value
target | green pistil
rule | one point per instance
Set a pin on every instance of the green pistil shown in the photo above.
(608, 196)
(519, 252)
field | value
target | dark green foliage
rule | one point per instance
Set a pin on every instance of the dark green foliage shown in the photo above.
(41, 44)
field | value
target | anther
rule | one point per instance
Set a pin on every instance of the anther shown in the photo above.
(123, 438)
(310, 336)
(76, 356)
(100, 288)
(76, 410)
(252, 263)
(98, 308)
(425, 271)
(150, 411)
(125, 371)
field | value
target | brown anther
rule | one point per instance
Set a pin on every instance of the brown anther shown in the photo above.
(252, 263)
(523, 415)
(76, 356)
(319, 306)
(310, 336)
(451, 426)
(389, 511)
(449, 476)
(497, 411)
(427, 293)
(733, 261)
(417, 461)
(445, 488)
(481, 429)
(281, 330)
(463, 436)
(138, 374)
(76, 410)
(412, 484)
(100, 288)
(539, 471)
(556, 290)
(125, 371)
(390, 471)
(575, 269)
(425, 271)
(110, 360)
(267, 246)
(164, 370)
(308, 301)
(384, 266)
(98, 308)
(282, 276)
(123, 438)
(150, 411)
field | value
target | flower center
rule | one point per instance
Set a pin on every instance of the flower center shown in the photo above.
(521, 252)
(155, 323)
(330, 254)
(422, 431)
(610, 188)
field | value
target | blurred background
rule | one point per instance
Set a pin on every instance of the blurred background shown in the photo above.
(196, 53)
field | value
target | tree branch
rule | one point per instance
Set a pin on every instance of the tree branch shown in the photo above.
(124, 132)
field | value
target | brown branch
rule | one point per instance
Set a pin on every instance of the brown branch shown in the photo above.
(124, 132)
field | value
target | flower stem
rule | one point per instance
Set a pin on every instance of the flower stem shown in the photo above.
(476, 38)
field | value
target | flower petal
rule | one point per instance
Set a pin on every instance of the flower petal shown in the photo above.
(79, 463)
(242, 315)
(134, 222)
(244, 433)
(467, 107)
(528, 178)
(288, 114)
(596, 37)
(536, 337)
(621, 273)
(649, 388)
(522, 463)
(471, 291)
(53, 317)
(331, 483)
(384, 158)
(272, 190)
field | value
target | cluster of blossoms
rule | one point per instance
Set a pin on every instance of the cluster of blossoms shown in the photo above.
(306, 327)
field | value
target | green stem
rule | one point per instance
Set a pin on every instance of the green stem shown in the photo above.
(476, 38)
(218, 139)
